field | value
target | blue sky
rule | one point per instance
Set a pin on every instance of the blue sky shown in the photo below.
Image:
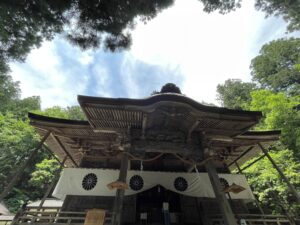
(183, 45)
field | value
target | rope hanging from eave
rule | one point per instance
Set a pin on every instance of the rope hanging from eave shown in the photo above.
(192, 163)
(141, 159)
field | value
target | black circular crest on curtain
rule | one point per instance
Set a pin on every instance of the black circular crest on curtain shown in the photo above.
(136, 182)
(180, 184)
(224, 183)
(89, 181)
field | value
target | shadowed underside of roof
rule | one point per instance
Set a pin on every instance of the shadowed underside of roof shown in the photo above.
(165, 111)
(80, 140)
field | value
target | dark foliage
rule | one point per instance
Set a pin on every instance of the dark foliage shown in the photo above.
(93, 23)
(87, 24)
(25, 24)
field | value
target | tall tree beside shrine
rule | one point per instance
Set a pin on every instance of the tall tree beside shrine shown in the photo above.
(276, 75)
(280, 112)
(276, 67)
(234, 93)
(9, 92)
(17, 139)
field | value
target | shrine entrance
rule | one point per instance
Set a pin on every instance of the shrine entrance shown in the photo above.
(158, 205)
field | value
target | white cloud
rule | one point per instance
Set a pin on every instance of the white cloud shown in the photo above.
(128, 78)
(86, 58)
(101, 76)
(44, 74)
(205, 48)
(208, 48)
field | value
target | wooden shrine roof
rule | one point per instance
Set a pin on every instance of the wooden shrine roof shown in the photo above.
(161, 118)
(166, 111)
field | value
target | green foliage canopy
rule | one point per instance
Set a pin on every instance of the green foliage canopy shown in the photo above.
(72, 112)
(268, 186)
(276, 67)
(43, 174)
(9, 92)
(279, 113)
(276, 73)
(17, 140)
(234, 93)
(289, 10)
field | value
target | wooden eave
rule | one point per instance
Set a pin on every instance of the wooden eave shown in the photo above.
(128, 103)
(165, 111)
(245, 147)
(77, 137)
(69, 137)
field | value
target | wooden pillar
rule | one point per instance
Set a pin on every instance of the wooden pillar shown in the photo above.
(291, 186)
(227, 213)
(118, 203)
(55, 179)
(22, 168)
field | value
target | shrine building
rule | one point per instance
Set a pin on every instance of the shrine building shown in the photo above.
(165, 159)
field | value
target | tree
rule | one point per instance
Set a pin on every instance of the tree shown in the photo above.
(289, 10)
(11, 101)
(21, 107)
(234, 93)
(276, 66)
(109, 21)
(73, 112)
(92, 24)
(43, 174)
(223, 6)
(268, 186)
(280, 113)
(9, 92)
(17, 139)
(24, 25)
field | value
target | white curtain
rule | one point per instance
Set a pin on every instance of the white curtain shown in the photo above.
(198, 184)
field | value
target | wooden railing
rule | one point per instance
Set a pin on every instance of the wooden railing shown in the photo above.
(254, 219)
(57, 217)
(50, 215)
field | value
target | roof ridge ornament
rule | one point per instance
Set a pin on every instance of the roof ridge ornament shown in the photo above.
(168, 88)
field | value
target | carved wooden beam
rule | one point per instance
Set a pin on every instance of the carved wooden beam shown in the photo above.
(164, 147)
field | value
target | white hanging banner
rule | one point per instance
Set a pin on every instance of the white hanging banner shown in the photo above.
(93, 182)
